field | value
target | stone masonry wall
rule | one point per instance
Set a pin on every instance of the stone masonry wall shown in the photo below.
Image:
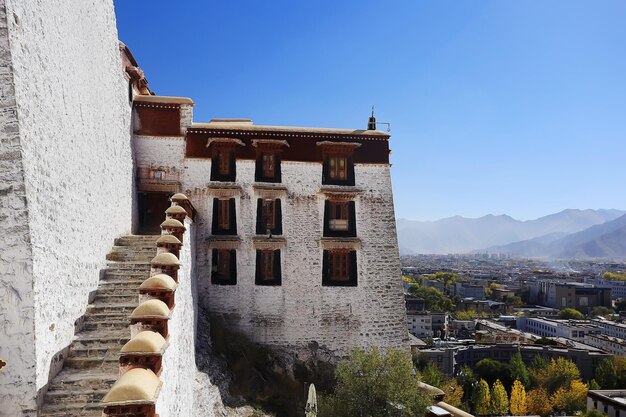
(301, 310)
(17, 327)
(179, 366)
(74, 132)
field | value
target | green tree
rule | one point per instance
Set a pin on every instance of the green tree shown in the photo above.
(469, 382)
(570, 313)
(606, 375)
(518, 369)
(490, 370)
(482, 399)
(518, 399)
(499, 399)
(593, 385)
(538, 362)
(376, 384)
(432, 375)
(601, 311)
(433, 298)
(448, 278)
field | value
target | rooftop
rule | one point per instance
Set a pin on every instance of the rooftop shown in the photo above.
(248, 125)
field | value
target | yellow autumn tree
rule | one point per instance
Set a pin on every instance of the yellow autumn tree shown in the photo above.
(499, 399)
(518, 399)
(558, 373)
(538, 401)
(570, 399)
(454, 392)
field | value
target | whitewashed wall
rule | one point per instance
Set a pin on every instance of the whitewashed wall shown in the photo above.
(301, 310)
(73, 124)
(179, 366)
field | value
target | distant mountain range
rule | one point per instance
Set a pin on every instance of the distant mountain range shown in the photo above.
(570, 233)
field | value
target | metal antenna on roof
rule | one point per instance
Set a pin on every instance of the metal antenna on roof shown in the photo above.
(371, 124)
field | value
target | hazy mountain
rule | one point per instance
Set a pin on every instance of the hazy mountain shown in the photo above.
(607, 240)
(459, 234)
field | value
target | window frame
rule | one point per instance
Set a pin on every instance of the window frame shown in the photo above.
(346, 212)
(265, 172)
(268, 267)
(339, 268)
(224, 217)
(331, 155)
(218, 275)
(276, 216)
(223, 163)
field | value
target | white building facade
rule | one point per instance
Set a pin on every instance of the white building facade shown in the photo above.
(296, 239)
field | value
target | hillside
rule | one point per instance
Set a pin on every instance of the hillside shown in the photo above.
(460, 235)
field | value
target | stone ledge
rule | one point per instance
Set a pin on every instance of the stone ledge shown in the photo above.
(351, 243)
(224, 241)
(340, 191)
(264, 242)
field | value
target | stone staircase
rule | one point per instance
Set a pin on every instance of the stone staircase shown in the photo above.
(91, 367)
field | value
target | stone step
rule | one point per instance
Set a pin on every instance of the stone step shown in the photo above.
(131, 297)
(101, 339)
(89, 409)
(83, 396)
(119, 287)
(124, 278)
(102, 308)
(136, 240)
(107, 363)
(74, 380)
(111, 315)
(106, 325)
(130, 257)
(94, 352)
(128, 266)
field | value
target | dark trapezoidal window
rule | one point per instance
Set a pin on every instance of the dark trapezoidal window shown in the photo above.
(339, 268)
(224, 267)
(269, 217)
(268, 267)
(224, 217)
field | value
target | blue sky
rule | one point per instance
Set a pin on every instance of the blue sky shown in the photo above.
(512, 107)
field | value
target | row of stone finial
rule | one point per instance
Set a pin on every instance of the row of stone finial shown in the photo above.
(137, 388)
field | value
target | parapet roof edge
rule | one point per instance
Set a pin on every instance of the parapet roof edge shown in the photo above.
(163, 99)
(286, 129)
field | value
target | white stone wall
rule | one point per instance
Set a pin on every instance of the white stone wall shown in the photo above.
(17, 328)
(72, 108)
(179, 366)
(301, 310)
(159, 151)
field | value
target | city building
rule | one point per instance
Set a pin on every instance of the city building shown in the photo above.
(608, 344)
(569, 329)
(451, 359)
(561, 295)
(420, 324)
(610, 402)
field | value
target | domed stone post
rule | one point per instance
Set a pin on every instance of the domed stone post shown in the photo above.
(150, 315)
(145, 350)
(134, 394)
(169, 244)
(161, 287)
(165, 263)
(173, 227)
